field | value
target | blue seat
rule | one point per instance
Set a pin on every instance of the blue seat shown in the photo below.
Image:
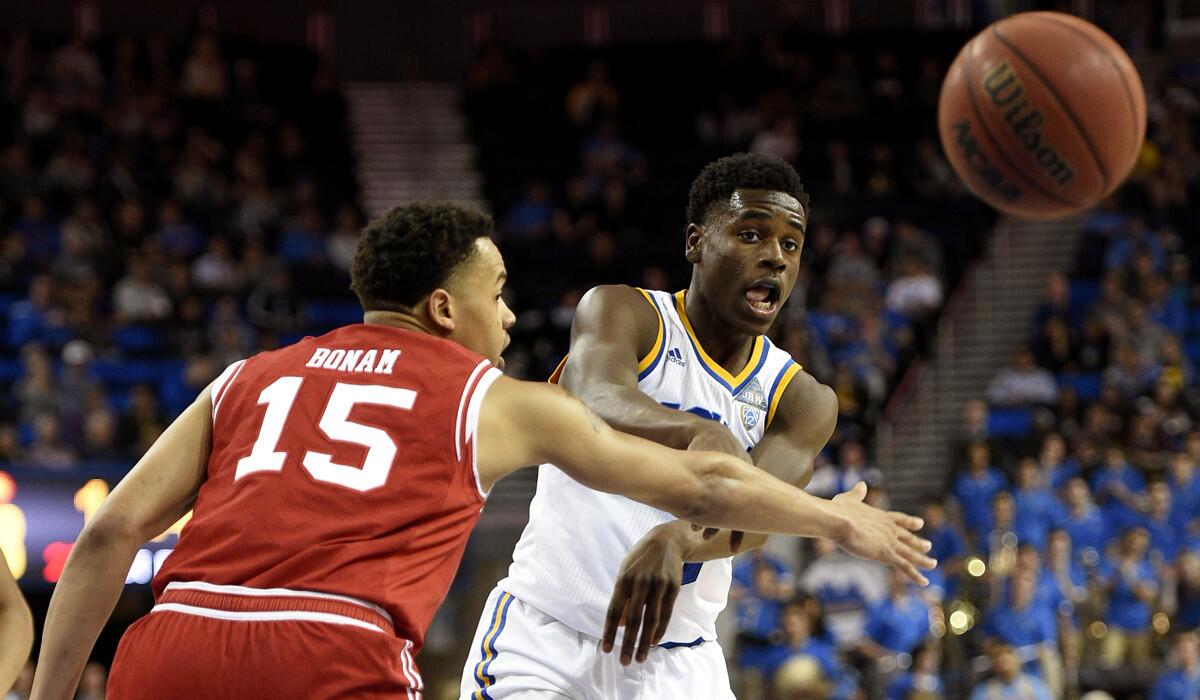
(10, 368)
(1010, 422)
(138, 340)
(1192, 349)
(330, 314)
(1086, 386)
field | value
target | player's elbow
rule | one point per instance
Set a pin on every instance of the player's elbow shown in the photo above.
(110, 529)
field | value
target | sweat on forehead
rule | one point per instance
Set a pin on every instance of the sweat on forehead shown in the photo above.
(742, 199)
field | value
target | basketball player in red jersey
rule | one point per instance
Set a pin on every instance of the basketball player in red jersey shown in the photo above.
(334, 482)
(16, 628)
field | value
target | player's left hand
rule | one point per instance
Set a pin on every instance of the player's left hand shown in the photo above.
(642, 601)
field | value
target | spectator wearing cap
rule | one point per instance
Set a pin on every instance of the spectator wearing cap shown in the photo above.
(1182, 680)
(1132, 589)
(1008, 682)
(975, 488)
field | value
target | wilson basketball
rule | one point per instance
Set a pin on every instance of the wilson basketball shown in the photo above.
(1042, 114)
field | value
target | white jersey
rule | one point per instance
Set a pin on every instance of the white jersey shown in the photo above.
(566, 562)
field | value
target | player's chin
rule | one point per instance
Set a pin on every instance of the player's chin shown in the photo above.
(756, 319)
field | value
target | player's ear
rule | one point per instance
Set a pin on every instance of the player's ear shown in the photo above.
(692, 236)
(439, 305)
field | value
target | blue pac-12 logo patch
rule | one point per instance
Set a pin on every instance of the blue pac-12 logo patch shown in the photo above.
(750, 416)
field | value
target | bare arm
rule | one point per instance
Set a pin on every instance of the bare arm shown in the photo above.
(156, 492)
(16, 628)
(805, 420)
(613, 327)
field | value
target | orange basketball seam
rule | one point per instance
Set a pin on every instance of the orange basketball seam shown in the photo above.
(1017, 171)
(1087, 140)
(1137, 137)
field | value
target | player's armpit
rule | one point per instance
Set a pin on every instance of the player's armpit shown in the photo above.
(162, 486)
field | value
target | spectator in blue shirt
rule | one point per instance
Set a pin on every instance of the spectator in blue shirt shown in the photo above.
(1003, 535)
(924, 681)
(1071, 581)
(1008, 682)
(1164, 523)
(976, 487)
(1056, 465)
(1185, 484)
(1132, 587)
(758, 613)
(1182, 682)
(898, 624)
(948, 544)
(1083, 521)
(1119, 490)
(1037, 508)
(798, 640)
(1028, 625)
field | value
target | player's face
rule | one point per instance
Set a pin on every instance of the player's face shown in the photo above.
(482, 318)
(747, 257)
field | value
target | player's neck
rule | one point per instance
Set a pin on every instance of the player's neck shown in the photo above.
(398, 319)
(727, 346)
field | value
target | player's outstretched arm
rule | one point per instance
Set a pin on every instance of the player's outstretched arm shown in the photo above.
(157, 491)
(525, 423)
(16, 628)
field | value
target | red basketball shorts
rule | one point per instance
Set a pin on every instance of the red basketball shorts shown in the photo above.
(207, 642)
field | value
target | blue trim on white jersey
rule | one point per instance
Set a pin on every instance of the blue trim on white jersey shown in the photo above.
(662, 347)
(778, 378)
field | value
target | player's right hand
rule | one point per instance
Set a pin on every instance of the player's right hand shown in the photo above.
(718, 438)
(885, 536)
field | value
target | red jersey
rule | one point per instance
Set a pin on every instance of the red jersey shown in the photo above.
(341, 465)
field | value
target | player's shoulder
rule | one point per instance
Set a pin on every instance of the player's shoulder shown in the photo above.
(607, 304)
(807, 397)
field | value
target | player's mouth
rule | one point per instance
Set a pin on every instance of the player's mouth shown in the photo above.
(762, 297)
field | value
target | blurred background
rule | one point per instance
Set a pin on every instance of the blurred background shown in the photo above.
(182, 185)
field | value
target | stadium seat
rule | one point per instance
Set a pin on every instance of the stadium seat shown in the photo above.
(138, 340)
(1086, 386)
(330, 314)
(1010, 422)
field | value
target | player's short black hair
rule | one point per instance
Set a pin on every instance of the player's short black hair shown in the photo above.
(411, 250)
(719, 179)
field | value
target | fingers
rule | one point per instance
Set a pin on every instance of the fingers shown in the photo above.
(856, 494)
(633, 620)
(616, 613)
(905, 567)
(665, 610)
(735, 540)
(920, 544)
(710, 532)
(650, 623)
(906, 521)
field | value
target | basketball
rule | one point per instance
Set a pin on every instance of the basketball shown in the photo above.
(1042, 114)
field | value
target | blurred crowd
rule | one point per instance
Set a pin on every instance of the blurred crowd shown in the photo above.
(1069, 537)
(605, 203)
(165, 209)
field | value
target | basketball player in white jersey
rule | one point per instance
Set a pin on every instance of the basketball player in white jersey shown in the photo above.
(691, 370)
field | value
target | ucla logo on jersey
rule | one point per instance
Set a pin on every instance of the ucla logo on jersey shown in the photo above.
(676, 356)
(753, 402)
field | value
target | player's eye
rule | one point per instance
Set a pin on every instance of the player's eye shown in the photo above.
(749, 235)
(791, 246)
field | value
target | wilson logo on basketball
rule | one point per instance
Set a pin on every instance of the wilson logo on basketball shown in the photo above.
(1025, 121)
